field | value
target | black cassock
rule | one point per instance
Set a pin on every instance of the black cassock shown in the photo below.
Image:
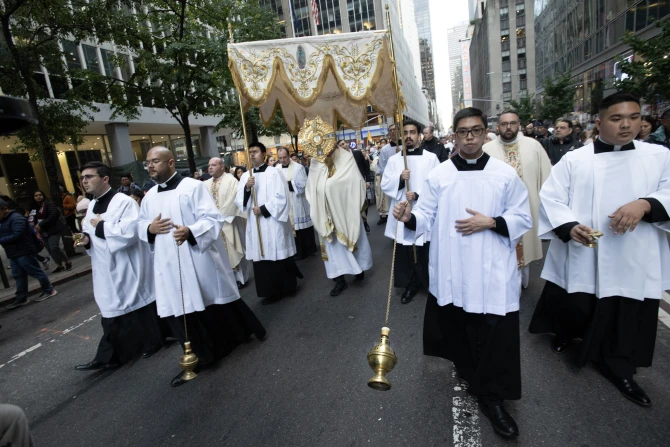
(484, 348)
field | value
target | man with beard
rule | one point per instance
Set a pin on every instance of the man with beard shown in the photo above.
(409, 273)
(301, 222)
(532, 165)
(476, 209)
(181, 225)
(608, 297)
(223, 188)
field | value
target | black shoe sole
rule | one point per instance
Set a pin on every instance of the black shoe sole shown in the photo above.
(642, 404)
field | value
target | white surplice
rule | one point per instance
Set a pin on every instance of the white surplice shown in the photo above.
(122, 267)
(224, 192)
(296, 175)
(206, 274)
(271, 192)
(477, 272)
(586, 187)
(420, 166)
(533, 166)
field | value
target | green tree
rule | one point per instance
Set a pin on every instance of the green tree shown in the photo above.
(180, 56)
(648, 73)
(525, 107)
(559, 97)
(255, 126)
(31, 31)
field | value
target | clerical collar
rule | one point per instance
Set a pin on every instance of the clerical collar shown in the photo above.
(600, 146)
(286, 167)
(261, 168)
(165, 184)
(477, 164)
(102, 202)
(415, 151)
(103, 194)
(171, 183)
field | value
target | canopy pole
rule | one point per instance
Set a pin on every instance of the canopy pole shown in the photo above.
(246, 150)
(399, 112)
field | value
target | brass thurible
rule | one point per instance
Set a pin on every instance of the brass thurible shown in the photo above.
(382, 360)
(77, 238)
(597, 234)
(188, 362)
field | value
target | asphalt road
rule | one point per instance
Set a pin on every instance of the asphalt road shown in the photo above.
(306, 384)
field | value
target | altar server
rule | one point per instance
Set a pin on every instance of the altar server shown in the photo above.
(476, 209)
(408, 273)
(181, 225)
(275, 271)
(607, 296)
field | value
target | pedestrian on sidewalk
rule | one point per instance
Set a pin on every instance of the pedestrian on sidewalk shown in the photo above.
(49, 223)
(20, 246)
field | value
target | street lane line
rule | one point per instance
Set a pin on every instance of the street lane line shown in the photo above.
(664, 317)
(466, 416)
(66, 331)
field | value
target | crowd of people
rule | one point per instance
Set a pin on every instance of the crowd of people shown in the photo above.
(468, 213)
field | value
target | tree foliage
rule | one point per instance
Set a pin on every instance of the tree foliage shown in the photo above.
(525, 107)
(648, 72)
(31, 31)
(559, 97)
(180, 56)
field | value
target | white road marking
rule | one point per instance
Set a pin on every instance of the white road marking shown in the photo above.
(663, 315)
(466, 416)
(32, 348)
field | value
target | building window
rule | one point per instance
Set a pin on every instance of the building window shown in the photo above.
(507, 87)
(107, 63)
(504, 24)
(71, 55)
(361, 15)
(58, 86)
(504, 13)
(330, 21)
(504, 45)
(521, 42)
(91, 56)
(523, 85)
(521, 63)
(504, 3)
(506, 65)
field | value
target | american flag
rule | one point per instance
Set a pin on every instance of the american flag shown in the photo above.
(315, 11)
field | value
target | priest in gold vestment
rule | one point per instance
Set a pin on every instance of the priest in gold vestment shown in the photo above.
(223, 187)
(532, 164)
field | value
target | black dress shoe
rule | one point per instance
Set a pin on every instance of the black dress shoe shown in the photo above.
(629, 388)
(239, 285)
(95, 365)
(382, 220)
(271, 300)
(151, 351)
(408, 295)
(502, 422)
(560, 345)
(366, 226)
(360, 276)
(340, 287)
(179, 379)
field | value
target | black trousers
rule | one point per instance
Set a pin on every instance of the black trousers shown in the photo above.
(406, 272)
(485, 348)
(616, 332)
(126, 336)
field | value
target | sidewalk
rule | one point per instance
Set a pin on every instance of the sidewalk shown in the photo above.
(81, 265)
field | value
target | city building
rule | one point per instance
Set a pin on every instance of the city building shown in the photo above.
(456, 37)
(583, 38)
(502, 54)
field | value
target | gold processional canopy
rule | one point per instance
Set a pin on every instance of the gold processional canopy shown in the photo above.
(332, 76)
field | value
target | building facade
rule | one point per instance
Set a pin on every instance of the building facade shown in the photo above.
(502, 54)
(456, 36)
(583, 37)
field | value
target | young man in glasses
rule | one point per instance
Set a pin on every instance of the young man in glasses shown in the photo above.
(476, 209)
(122, 275)
(532, 164)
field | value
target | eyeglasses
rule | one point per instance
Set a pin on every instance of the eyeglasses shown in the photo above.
(476, 132)
(86, 178)
(510, 124)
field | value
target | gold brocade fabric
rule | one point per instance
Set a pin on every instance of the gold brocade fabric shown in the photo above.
(214, 191)
(513, 158)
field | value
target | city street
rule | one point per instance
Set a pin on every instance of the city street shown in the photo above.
(305, 385)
